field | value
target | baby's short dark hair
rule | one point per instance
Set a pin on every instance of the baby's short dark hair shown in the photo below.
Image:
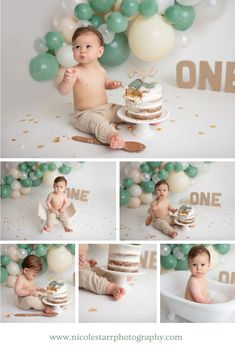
(60, 178)
(32, 262)
(88, 29)
(161, 182)
(196, 250)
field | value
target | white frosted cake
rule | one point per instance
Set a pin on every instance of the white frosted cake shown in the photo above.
(186, 214)
(143, 101)
(57, 292)
(124, 257)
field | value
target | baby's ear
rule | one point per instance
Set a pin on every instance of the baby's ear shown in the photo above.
(101, 52)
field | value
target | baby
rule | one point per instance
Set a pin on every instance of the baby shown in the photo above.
(57, 202)
(199, 264)
(28, 293)
(89, 82)
(159, 210)
(92, 278)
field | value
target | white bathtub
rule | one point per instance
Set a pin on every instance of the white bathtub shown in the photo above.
(222, 308)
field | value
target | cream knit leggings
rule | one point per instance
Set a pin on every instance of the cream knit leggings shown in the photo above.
(97, 121)
(92, 279)
(62, 217)
(30, 302)
(164, 224)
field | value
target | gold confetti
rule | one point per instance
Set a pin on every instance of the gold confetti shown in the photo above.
(13, 140)
(172, 121)
(177, 97)
(23, 120)
(31, 119)
(8, 315)
(57, 117)
(25, 131)
(28, 115)
(56, 139)
(130, 127)
(196, 115)
(212, 126)
(180, 108)
(40, 146)
(159, 129)
(92, 309)
(35, 122)
(201, 133)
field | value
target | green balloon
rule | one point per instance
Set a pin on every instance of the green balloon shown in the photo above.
(65, 169)
(5, 260)
(178, 167)
(168, 262)
(148, 8)
(43, 167)
(83, 11)
(30, 164)
(154, 164)
(101, 5)
(36, 182)
(147, 186)
(162, 174)
(40, 250)
(19, 262)
(3, 275)
(187, 19)
(116, 22)
(71, 248)
(22, 246)
(96, 21)
(8, 179)
(52, 167)
(191, 171)
(43, 67)
(174, 14)
(5, 191)
(129, 7)
(29, 249)
(54, 40)
(222, 248)
(38, 173)
(26, 183)
(22, 167)
(185, 248)
(116, 52)
(145, 167)
(169, 166)
(127, 183)
(124, 197)
(43, 260)
(182, 265)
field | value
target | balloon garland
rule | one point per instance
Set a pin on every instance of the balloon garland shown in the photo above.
(23, 176)
(139, 184)
(56, 257)
(154, 28)
(174, 257)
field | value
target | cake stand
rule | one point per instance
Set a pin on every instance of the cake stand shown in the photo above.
(142, 127)
(57, 306)
(121, 277)
(186, 227)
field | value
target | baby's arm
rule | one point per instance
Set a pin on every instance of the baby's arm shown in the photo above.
(153, 207)
(66, 85)
(21, 291)
(196, 292)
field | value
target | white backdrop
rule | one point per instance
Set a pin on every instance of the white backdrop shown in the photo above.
(34, 113)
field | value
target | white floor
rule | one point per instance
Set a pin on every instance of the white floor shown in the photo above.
(213, 223)
(8, 308)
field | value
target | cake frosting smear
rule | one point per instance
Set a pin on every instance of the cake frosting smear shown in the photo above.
(57, 292)
(186, 214)
(124, 257)
(143, 101)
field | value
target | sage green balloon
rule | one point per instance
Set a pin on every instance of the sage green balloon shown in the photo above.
(43, 167)
(96, 21)
(129, 7)
(222, 248)
(52, 167)
(185, 248)
(162, 174)
(40, 250)
(5, 260)
(102, 5)
(65, 169)
(71, 248)
(173, 14)
(168, 262)
(178, 167)
(182, 265)
(37, 182)
(54, 40)
(117, 51)
(124, 197)
(191, 171)
(145, 167)
(38, 173)
(148, 8)
(169, 166)
(43, 67)
(5, 191)
(116, 22)
(8, 179)
(127, 183)
(3, 275)
(22, 167)
(147, 186)
(187, 19)
(26, 183)
(83, 12)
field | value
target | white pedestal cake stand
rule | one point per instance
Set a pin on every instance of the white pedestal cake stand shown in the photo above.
(142, 127)
(57, 306)
(186, 227)
(121, 277)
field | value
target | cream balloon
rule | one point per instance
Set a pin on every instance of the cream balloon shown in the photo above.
(178, 182)
(134, 202)
(11, 280)
(15, 185)
(151, 38)
(65, 56)
(146, 198)
(163, 5)
(67, 27)
(13, 269)
(15, 173)
(59, 259)
(135, 176)
(25, 191)
(15, 194)
(49, 177)
(12, 251)
(60, 75)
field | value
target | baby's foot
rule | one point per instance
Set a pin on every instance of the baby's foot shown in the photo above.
(115, 141)
(173, 234)
(116, 291)
(46, 228)
(148, 221)
(48, 310)
(68, 230)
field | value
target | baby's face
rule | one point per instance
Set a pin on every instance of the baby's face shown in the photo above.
(162, 191)
(199, 265)
(30, 274)
(87, 48)
(59, 187)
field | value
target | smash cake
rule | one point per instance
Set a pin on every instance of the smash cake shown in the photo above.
(57, 293)
(186, 214)
(124, 257)
(143, 101)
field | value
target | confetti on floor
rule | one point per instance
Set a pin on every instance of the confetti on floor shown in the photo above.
(56, 139)
(40, 146)
(92, 310)
(212, 126)
(201, 133)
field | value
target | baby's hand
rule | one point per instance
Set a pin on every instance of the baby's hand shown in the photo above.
(82, 260)
(68, 75)
(154, 208)
(92, 262)
(113, 84)
(62, 210)
(32, 291)
(174, 210)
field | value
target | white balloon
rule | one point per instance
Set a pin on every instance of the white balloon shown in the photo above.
(135, 190)
(185, 165)
(67, 26)
(15, 173)
(146, 176)
(83, 23)
(32, 176)
(22, 253)
(15, 185)
(165, 250)
(135, 176)
(189, 2)
(182, 39)
(49, 177)
(163, 5)
(23, 175)
(59, 259)
(69, 5)
(12, 251)
(210, 10)
(11, 280)
(107, 35)
(10, 165)
(146, 198)
(65, 56)
(134, 202)
(15, 194)
(25, 191)
(40, 45)
(13, 269)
